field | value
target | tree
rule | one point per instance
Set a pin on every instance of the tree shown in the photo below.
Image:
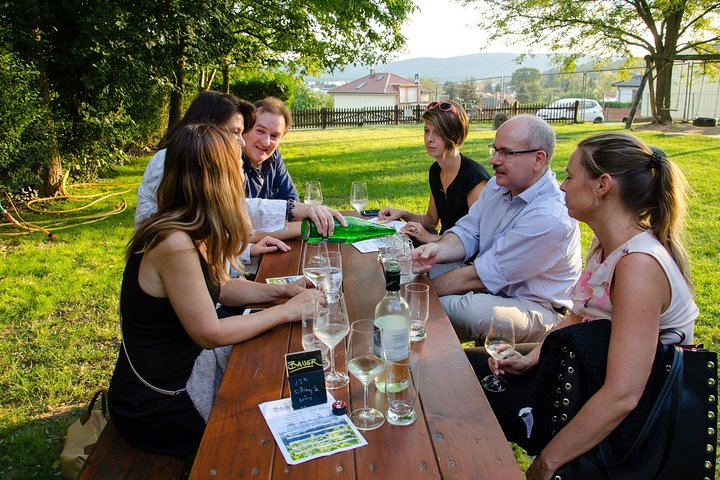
(526, 83)
(662, 28)
(104, 70)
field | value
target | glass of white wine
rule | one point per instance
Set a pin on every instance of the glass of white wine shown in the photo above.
(330, 326)
(309, 340)
(313, 193)
(500, 342)
(315, 264)
(358, 196)
(364, 365)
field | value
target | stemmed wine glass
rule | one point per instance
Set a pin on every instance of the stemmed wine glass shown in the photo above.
(330, 326)
(313, 193)
(335, 275)
(315, 264)
(364, 365)
(500, 342)
(358, 196)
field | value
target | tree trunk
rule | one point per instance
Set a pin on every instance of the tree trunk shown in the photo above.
(52, 181)
(176, 96)
(664, 60)
(226, 76)
(664, 69)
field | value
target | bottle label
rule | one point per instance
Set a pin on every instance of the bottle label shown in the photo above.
(392, 337)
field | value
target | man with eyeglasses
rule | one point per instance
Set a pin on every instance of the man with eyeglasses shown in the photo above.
(528, 248)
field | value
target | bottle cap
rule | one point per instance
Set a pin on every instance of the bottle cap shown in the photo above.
(339, 408)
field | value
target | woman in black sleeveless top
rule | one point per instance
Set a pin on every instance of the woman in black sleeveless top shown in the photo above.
(175, 275)
(455, 180)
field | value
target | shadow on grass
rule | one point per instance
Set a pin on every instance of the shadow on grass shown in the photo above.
(31, 449)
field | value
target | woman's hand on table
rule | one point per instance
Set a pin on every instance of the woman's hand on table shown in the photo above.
(388, 214)
(418, 232)
(303, 301)
(268, 244)
(321, 216)
(297, 287)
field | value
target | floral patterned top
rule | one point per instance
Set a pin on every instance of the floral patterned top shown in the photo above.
(591, 293)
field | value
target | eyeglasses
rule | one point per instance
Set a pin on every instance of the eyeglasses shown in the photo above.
(506, 152)
(442, 106)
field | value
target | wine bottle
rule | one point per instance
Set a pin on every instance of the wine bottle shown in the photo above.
(357, 229)
(392, 324)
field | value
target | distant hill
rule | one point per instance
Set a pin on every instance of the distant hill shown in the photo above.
(476, 66)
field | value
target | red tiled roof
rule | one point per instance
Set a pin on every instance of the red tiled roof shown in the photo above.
(377, 83)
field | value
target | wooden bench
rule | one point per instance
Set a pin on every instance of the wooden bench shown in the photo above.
(114, 458)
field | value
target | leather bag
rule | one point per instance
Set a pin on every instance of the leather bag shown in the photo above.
(82, 435)
(671, 434)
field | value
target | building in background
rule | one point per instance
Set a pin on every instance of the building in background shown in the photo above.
(627, 89)
(380, 90)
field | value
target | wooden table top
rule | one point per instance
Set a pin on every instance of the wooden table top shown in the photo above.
(456, 435)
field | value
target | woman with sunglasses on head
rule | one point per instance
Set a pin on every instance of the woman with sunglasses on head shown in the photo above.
(455, 180)
(174, 275)
(637, 276)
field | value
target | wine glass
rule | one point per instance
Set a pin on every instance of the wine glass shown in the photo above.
(315, 264)
(417, 295)
(358, 196)
(402, 390)
(309, 340)
(500, 342)
(330, 326)
(364, 365)
(335, 276)
(313, 193)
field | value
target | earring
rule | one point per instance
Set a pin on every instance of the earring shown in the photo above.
(597, 200)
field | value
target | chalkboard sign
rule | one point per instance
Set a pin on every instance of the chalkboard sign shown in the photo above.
(306, 378)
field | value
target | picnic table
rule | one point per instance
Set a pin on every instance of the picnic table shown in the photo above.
(455, 436)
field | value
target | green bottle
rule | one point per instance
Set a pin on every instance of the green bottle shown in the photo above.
(356, 230)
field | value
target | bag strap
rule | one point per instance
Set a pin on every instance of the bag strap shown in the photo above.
(88, 411)
(139, 377)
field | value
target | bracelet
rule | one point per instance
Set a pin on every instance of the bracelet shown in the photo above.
(290, 211)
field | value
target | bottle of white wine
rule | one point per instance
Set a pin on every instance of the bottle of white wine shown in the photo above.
(392, 324)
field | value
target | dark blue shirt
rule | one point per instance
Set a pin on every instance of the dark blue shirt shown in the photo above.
(271, 180)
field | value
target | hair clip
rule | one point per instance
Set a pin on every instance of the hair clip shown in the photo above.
(655, 161)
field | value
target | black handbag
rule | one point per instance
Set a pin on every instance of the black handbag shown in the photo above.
(671, 434)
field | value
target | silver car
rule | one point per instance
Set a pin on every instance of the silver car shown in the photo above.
(564, 109)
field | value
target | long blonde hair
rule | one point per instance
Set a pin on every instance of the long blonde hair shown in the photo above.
(201, 194)
(651, 186)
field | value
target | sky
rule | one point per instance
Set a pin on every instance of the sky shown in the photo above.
(442, 28)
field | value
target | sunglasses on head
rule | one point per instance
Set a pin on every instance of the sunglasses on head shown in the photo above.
(442, 106)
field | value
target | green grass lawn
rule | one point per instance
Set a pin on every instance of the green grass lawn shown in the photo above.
(58, 300)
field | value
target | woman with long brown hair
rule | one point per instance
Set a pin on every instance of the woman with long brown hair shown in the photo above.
(174, 276)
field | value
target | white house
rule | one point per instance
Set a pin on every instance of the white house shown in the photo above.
(380, 90)
(627, 89)
(694, 93)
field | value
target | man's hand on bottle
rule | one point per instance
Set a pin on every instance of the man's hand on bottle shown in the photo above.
(321, 216)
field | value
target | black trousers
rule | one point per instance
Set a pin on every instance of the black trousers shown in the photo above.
(508, 403)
